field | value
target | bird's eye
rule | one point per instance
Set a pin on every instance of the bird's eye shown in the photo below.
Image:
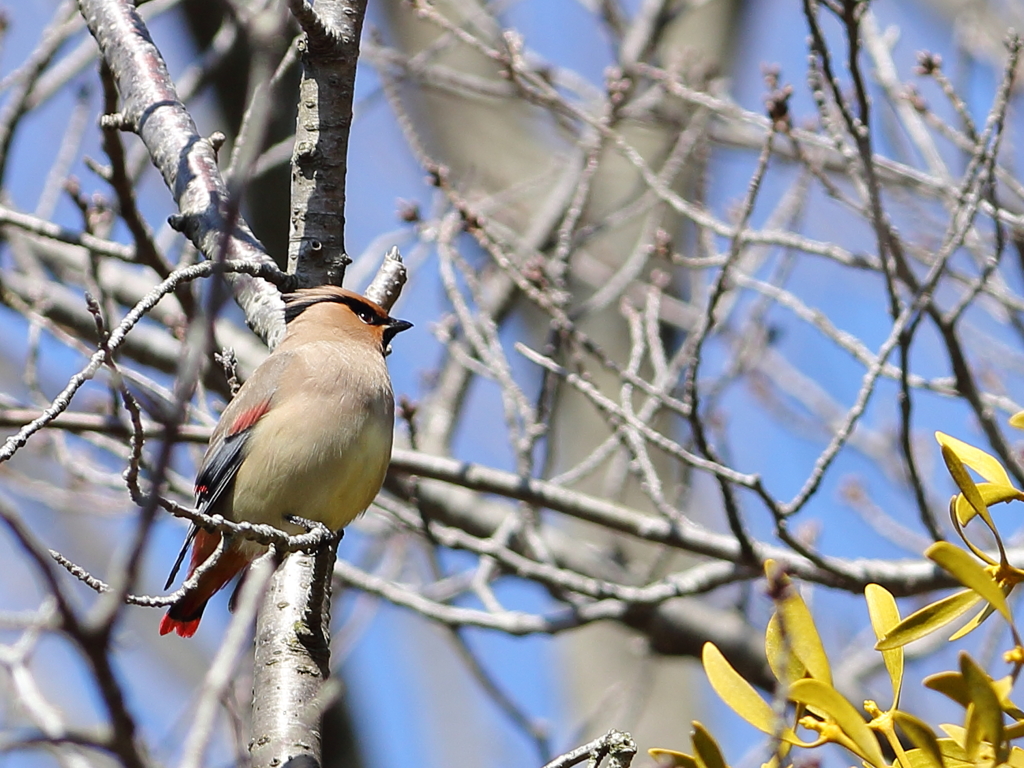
(366, 315)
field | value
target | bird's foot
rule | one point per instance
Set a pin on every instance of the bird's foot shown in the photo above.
(322, 535)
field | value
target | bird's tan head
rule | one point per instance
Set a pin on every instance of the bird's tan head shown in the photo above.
(328, 309)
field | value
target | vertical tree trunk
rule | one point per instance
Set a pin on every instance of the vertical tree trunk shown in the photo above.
(293, 630)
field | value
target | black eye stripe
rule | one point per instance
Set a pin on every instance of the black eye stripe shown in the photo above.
(296, 304)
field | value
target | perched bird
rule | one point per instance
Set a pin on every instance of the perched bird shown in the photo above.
(308, 435)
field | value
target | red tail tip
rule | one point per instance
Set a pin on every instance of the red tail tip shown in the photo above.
(183, 628)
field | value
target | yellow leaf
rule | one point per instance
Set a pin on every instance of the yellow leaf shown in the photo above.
(974, 623)
(985, 715)
(918, 758)
(966, 484)
(1016, 758)
(1017, 420)
(885, 616)
(957, 735)
(785, 666)
(921, 736)
(952, 684)
(991, 493)
(1003, 687)
(708, 753)
(737, 692)
(774, 762)
(1014, 731)
(984, 464)
(928, 619)
(798, 624)
(972, 738)
(949, 684)
(817, 694)
(672, 759)
(953, 754)
(968, 572)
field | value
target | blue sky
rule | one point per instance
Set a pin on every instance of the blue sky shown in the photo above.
(401, 708)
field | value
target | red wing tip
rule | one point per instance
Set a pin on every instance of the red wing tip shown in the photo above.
(182, 628)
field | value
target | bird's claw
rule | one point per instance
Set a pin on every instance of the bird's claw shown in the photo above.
(324, 535)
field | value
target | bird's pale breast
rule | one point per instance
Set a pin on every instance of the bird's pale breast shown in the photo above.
(332, 468)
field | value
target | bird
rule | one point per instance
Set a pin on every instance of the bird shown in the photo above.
(307, 437)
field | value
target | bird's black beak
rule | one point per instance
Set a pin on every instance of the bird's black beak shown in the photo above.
(392, 329)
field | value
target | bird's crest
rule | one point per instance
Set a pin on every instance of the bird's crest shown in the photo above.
(297, 303)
